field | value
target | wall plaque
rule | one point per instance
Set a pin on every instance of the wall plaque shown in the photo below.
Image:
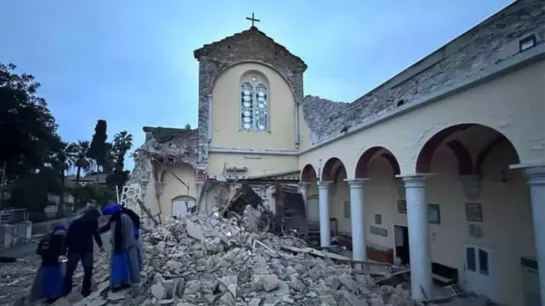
(379, 231)
(434, 214)
(402, 207)
(474, 212)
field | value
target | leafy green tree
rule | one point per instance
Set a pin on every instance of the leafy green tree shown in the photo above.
(32, 189)
(26, 124)
(98, 150)
(93, 193)
(122, 143)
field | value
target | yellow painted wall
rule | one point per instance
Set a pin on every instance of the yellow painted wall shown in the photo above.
(257, 164)
(226, 108)
(173, 188)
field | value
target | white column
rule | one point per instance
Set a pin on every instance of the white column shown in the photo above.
(357, 220)
(200, 186)
(536, 181)
(325, 232)
(303, 190)
(419, 243)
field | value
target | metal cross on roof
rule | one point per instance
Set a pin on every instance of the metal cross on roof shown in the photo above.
(253, 19)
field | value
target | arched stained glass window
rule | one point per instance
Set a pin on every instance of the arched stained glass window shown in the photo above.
(261, 109)
(254, 99)
(247, 106)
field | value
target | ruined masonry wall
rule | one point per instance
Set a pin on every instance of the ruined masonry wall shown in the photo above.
(473, 53)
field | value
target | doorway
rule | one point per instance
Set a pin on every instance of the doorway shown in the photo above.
(401, 239)
(530, 282)
(477, 271)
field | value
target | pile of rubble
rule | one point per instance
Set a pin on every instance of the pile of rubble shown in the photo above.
(208, 260)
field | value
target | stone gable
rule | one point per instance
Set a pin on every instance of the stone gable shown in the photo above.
(252, 45)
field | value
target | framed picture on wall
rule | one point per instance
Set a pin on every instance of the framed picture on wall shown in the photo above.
(434, 214)
(474, 212)
(402, 207)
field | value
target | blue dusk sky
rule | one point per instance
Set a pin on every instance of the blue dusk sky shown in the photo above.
(131, 62)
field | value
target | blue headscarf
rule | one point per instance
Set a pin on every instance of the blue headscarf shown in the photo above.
(59, 227)
(111, 209)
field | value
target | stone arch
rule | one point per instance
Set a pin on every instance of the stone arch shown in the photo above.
(331, 168)
(308, 174)
(165, 169)
(463, 157)
(183, 197)
(361, 169)
(225, 68)
(189, 203)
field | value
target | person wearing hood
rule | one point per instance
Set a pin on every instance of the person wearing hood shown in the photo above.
(124, 265)
(79, 240)
(136, 229)
(48, 283)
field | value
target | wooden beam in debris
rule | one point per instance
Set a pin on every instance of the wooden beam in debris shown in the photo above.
(146, 210)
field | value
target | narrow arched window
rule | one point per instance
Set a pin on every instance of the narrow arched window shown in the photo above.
(261, 109)
(247, 106)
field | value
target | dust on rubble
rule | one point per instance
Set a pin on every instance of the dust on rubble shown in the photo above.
(204, 259)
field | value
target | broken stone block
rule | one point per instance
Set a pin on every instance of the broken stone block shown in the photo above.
(270, 282)
(158, 291)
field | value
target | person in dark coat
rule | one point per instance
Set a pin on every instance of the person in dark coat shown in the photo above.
(124, 269)
(79, 240)
(49, 281)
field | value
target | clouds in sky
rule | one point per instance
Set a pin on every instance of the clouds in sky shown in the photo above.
(131, 62)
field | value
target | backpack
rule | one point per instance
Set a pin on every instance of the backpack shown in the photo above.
(44, 246)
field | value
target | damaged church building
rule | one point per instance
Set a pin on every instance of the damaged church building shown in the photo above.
(442, 167)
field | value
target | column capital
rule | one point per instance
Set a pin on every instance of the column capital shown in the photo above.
(356, 183)
(199, 183)
(303, 184)
(536, 175)
(414, 180)
(324, 184)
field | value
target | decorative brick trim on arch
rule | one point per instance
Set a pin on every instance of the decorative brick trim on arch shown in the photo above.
(330, 169)
(465, 161)
(362, 165)
(423, 162)
(308, 174)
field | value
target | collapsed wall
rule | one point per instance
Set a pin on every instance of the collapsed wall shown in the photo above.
(205, 259)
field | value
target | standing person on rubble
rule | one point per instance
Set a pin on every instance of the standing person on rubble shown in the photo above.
(79, 240)
(124, 269)
(49, 281)
(136, 230)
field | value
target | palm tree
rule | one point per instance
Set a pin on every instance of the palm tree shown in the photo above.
(121, 144)
(61, 159)
(81, 161)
